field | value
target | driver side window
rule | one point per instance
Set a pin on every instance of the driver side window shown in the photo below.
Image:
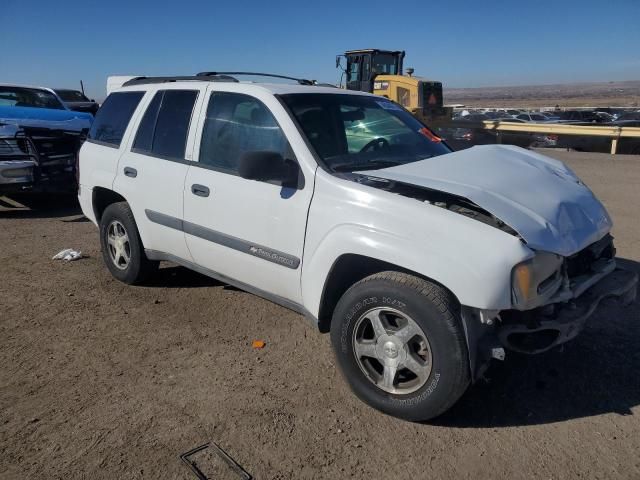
(236, 124)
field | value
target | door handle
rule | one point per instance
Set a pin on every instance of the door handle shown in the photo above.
(200, 190)
(130, 172)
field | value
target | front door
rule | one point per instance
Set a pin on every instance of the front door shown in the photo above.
(250, 231)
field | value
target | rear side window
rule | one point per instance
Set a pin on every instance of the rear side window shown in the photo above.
(165, 125)
(113, 118)
(237, 124)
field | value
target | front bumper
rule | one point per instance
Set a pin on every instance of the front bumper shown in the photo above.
(16, 173)
(546, 327)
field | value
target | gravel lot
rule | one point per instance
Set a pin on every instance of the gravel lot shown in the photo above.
(103, 380)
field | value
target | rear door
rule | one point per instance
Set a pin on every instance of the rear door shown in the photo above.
(250, 231)
(152, 171)
(112, 127)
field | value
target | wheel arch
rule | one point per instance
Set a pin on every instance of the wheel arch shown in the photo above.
(102, 198)
(348, 269)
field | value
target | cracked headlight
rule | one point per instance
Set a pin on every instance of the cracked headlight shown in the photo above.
(534, 281)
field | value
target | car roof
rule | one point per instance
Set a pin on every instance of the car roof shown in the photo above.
(273, 88)
(35, 87)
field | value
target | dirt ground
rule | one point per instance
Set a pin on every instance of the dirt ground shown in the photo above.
(103, 380)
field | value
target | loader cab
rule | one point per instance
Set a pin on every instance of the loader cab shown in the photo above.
(364, 65)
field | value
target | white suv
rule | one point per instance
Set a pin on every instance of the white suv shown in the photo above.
(423, 263)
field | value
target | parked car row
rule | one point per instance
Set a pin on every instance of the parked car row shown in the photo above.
(606, 115)
(460, 138)
(603, 144)
(40, 136)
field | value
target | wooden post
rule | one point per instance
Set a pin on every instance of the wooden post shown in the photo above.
(614, 145)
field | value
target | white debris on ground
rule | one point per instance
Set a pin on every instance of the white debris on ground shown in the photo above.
(68, 255)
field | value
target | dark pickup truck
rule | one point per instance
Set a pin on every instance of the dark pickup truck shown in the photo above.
(76, 100)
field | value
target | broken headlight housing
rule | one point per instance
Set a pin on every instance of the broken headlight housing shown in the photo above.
(534, 281)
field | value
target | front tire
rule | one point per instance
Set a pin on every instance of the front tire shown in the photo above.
(400, 343)
(122, 249)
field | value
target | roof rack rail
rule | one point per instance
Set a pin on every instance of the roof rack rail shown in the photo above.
(146, 80)
(301, 81)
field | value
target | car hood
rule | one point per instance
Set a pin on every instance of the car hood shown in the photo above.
(537, 196)
(46, 117)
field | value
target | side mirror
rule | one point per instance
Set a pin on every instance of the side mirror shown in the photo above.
(268, 166)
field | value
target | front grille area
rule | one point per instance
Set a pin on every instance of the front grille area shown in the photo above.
(53, 154)
(57, 153)
(583, 262)
(17, 147)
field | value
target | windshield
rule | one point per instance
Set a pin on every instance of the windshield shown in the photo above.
(384, 64)
(357, 132)
(28, 97)
(71, 96)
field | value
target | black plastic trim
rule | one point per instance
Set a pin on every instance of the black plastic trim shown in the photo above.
(130, 172)
(200, 190)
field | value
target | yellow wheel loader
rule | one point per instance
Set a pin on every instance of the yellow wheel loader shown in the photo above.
(380, 72)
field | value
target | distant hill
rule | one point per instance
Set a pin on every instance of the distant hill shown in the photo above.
(614, 94)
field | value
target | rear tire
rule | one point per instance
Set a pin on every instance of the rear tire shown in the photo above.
(122, 249)
(414, 364)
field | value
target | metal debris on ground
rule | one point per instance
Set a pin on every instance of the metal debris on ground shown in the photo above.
(230, 462)
(68, 255)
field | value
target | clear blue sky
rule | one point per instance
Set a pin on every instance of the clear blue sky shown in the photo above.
(462, 43)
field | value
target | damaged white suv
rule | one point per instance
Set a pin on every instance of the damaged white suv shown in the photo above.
(423, 263)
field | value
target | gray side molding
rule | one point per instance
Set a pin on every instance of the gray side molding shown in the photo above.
(225, 240)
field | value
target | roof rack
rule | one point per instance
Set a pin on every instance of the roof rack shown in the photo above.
(146, 80)
(301, 81)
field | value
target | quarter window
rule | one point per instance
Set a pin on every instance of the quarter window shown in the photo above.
(113, 117)
(237, 124)
(164, 127)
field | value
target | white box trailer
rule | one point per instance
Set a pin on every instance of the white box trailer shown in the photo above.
(116, 81)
